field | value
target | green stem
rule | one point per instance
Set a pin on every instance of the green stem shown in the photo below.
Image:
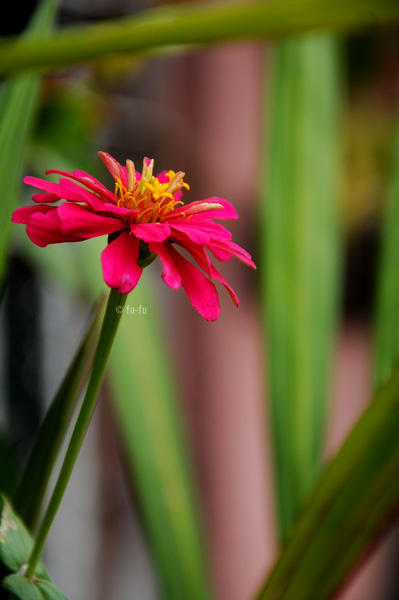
(190, 24)
(112, 317)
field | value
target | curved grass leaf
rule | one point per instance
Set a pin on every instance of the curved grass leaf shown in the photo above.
(17, 110)
(301, 249)
(387, 307)
(194, 24)
(32, 487)
(25, 589)
(355, 499)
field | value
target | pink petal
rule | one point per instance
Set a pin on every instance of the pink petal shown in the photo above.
(220, 253)
(225, 250)
(163, 177)
(45, 197)
(201, 292)
(182, 228)
(97, 204)
(151, 232)
(118, 211)
(170, 274)
(204, 224)
(227, 212)
(70, 191)
(83, 195)
(47, 186)
(202, 259)
(87, 180)
(77, 220)
(119, 263)
(64, 190)
(199, 254)
(44, 228)
(73, 194)
(116, 170)
(216, 275)
(22, 215)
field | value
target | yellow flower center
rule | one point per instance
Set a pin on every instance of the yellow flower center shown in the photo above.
(149, 196)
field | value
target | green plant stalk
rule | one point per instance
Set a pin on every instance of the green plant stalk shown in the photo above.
(110, 324)
(194, 24)
(356, 498)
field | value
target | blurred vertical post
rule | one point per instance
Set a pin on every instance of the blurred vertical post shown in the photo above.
(300, 250)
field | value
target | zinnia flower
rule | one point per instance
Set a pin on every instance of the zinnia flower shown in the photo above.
(144, 217)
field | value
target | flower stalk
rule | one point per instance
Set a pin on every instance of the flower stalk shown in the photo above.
(109, 327)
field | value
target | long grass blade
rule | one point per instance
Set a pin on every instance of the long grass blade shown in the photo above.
(145, 402)
(18, 104)
(33, 484)
(301, 248)
(387, 305)
(194, 24)
(356, 498)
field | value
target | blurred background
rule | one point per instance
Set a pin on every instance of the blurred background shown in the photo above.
(207, 113)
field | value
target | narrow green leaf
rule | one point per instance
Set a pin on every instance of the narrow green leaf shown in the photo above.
(145, 401)
(356, 497)
(387, 306)
(17, 109)
(25, 589)
(15, 541)
(301, 249)
(32, 487)
(109, 327)
(194, 24)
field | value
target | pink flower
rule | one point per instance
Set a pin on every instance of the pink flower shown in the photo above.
(144, 217)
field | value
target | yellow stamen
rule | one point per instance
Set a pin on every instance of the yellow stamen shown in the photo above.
(130, 175)
(150, 197)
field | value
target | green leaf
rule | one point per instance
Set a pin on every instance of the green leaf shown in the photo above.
(301, 251)
(25, 589)
(109, 327)
(354, 501)
(15, 541)
(145, 401)
(32, 487)
(194, 24)
(387, 306)
(17, 109)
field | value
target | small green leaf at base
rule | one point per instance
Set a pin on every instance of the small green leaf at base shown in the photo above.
(37, 589)
(15, 547)
(15, 541)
